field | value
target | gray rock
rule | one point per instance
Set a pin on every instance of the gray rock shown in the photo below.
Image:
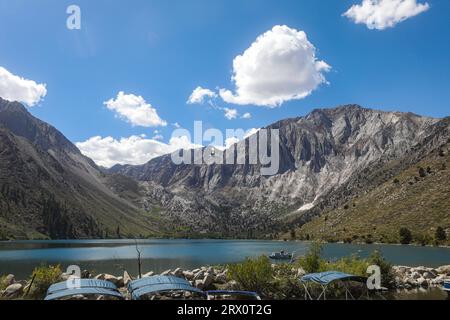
(422, 282)
(444, 270)
(9, 280)
(415, 275)
(166, 273)
(199, 284)
(221, 278)
(108, 277)
(208, 280)
(200, 275)
(188, 275)
(178, 273)
(13, 291)
(126, 278)
(148, 274)
(429, 275)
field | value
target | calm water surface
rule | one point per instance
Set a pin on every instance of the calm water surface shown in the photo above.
(113, 256)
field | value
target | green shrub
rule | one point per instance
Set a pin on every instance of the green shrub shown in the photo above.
(253, 275)
(352, 265)
(44, 277)
(387, 275)
(405, 236)
(312, 262)
(287, 284)
(440, 234)
(3, 283)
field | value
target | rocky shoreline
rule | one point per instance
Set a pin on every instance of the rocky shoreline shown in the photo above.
(420, 277)
(209, 278)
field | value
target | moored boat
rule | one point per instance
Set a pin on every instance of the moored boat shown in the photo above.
(281, 256)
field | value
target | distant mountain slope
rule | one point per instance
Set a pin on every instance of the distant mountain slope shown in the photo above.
(320, 153)
(411, 192)
(49, 189)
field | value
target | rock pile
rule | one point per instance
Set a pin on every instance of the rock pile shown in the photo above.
(420, 277)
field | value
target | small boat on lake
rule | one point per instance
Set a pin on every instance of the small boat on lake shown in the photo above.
(281, 255)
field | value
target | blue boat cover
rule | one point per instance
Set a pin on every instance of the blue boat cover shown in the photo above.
(83, 291)
(81, 283)
(326, 278)
(156, 284)
(447, 286)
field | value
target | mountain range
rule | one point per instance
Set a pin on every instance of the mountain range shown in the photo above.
(345, 173)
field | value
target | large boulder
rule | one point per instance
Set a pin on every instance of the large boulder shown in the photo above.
(118, 281)
(188, 275)
(166, 273)
(199, 275)
(416, 275)
(13, 291)
(148, 274)
(198, 284)
(444, 270)
(422, 282)
(8, 280)
(221, 278)
(208, 280)
(126, 278)
(178, 273)
(429, 275)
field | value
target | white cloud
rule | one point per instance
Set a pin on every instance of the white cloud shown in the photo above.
(382, 14)
(158, 137)
(134, 150)
(15, 88)
(281, 65)
(230, 114)
(137, 150)
(246, 115)
(135, 110)
(199, 94)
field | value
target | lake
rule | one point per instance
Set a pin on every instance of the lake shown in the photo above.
(114, 256)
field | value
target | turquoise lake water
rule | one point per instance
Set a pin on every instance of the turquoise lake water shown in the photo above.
(114, 256)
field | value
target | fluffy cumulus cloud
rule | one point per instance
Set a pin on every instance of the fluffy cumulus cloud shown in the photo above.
(137, 150)
(281, 65)
(199, 95)
(383, 14)
(134, 150)
(247, 115)
(230, 114)
(15, 88)
(135, 110)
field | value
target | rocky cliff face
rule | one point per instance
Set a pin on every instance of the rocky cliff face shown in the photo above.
(49, 189)
(319, 153)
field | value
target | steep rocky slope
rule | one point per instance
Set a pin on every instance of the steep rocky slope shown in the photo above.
(320, 153)
(411, 192)
(49, 189)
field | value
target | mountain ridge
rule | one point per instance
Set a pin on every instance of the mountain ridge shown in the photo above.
(49, 189)
(328, 158)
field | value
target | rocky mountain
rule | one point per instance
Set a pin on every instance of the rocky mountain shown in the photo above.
(48, 189)
(342, 173)
(326, 158)
(411, 191)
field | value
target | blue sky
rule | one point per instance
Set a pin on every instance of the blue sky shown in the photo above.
(162, 50)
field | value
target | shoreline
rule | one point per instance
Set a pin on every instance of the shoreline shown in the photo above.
(416, 245)
(407, 279)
